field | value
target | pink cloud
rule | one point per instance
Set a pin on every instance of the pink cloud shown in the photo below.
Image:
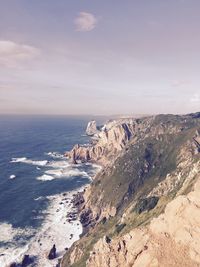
(85, 22)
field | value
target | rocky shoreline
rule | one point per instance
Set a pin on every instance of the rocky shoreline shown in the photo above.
(73, 207)
(148, 163)
(138, 148)
(69, 203)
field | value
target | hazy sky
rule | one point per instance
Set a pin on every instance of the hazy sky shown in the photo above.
(99, 56)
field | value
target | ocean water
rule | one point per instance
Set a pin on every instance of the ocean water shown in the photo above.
(33, 171)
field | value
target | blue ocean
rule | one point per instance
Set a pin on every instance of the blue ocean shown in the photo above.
(33, 171)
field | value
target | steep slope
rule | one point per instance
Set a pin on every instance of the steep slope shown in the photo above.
(155, 166)
(110, 140)
(172, 239)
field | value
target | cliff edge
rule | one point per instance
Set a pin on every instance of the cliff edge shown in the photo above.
(143, 208)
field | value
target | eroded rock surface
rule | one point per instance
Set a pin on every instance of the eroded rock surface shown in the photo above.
(172, 239)
(143, 208)
(91, 128)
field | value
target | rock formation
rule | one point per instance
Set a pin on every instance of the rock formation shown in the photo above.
(26, 261)
(112, 138)
(52, 253)
(143, 208)
(91, 128)
(172, 239)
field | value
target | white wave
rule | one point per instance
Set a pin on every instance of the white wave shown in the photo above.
(39, 198)
(29, 161)
(18, 159)
(76, 172)
(57, 172)
(37, 162)
(96, 166)
(12, 176)
(66, 173)
(45, 177)
(12, 251)
(55, 155)
(8, 232)
(59, 164)
(11, 254)
(55, 230)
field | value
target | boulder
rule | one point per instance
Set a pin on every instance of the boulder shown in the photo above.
(26, 261)
(73, 158)
(52, 253)
(91, 128)
(146, 204)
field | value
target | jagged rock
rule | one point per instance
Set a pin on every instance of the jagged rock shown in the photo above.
(111, 139)
(154, 158)
(146, 204)
(172, 239)
(85, 217)
(52, 253)
(196, 140)
(195, 115)
(91, 128)
(78, 199)
(26, 261)
(13, 264)
(73, 157)
(76, 254)
(107, 239)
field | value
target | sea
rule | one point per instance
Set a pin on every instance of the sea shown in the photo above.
(37, 183)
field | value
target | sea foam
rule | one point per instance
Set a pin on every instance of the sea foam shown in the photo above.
(45, 178)
(55, 230)
(29, 161)
(12, 176)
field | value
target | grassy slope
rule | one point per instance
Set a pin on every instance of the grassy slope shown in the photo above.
(135, 173)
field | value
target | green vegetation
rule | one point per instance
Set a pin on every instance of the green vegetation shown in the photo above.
(137, 171)
(146, 204)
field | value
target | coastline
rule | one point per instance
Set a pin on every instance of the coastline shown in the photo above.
(62, 222)
(61, 227)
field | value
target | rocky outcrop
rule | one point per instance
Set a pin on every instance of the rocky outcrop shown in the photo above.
(91, 128)
(111, 139)
(142, 209)
(197, 141)
(114, 136)
(52, 253)
(26, 261)
(172, 239)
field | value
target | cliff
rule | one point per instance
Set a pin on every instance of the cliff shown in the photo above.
(109, 140)
(91, 128)
(143, 208)
(172, 239)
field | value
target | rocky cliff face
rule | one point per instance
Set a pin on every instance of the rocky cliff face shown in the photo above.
(91, 128)
(172, 239)
(112, 138)
(143, 209)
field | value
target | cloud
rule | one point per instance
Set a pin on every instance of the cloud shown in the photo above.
(85, 22)
(180, 83)
(195, 99)
(12, 53)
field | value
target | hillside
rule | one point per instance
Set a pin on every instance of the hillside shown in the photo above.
(143, 208)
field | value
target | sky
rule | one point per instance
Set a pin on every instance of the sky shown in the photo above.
(99, 57)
